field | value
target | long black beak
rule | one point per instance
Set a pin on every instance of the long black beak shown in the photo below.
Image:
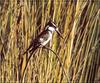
(59, 33)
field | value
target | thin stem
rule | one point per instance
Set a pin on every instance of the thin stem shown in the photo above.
(59, 62)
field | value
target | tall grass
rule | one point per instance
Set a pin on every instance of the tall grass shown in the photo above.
(79, 51)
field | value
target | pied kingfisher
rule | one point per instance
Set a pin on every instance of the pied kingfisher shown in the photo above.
(44, 37)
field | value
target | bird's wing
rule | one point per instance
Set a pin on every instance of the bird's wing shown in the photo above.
(44, 37)
(35, 43)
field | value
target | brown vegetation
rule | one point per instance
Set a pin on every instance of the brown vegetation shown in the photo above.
(79, 23)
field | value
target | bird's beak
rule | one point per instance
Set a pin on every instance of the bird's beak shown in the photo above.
(59, 33)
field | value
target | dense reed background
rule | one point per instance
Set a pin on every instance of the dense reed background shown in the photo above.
(79, 51)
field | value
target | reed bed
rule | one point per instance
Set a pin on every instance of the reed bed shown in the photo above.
(79, 51)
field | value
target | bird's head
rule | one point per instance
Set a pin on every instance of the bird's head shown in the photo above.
(51, 26)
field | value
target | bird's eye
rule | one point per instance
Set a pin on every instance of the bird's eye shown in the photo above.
(47, 27)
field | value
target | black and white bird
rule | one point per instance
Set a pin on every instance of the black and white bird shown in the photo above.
(44, 37)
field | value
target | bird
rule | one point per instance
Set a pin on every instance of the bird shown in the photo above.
(44, 37)
(40, 41)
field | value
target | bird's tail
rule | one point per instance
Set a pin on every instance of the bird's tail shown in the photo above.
(25, 59)
(30, 49)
